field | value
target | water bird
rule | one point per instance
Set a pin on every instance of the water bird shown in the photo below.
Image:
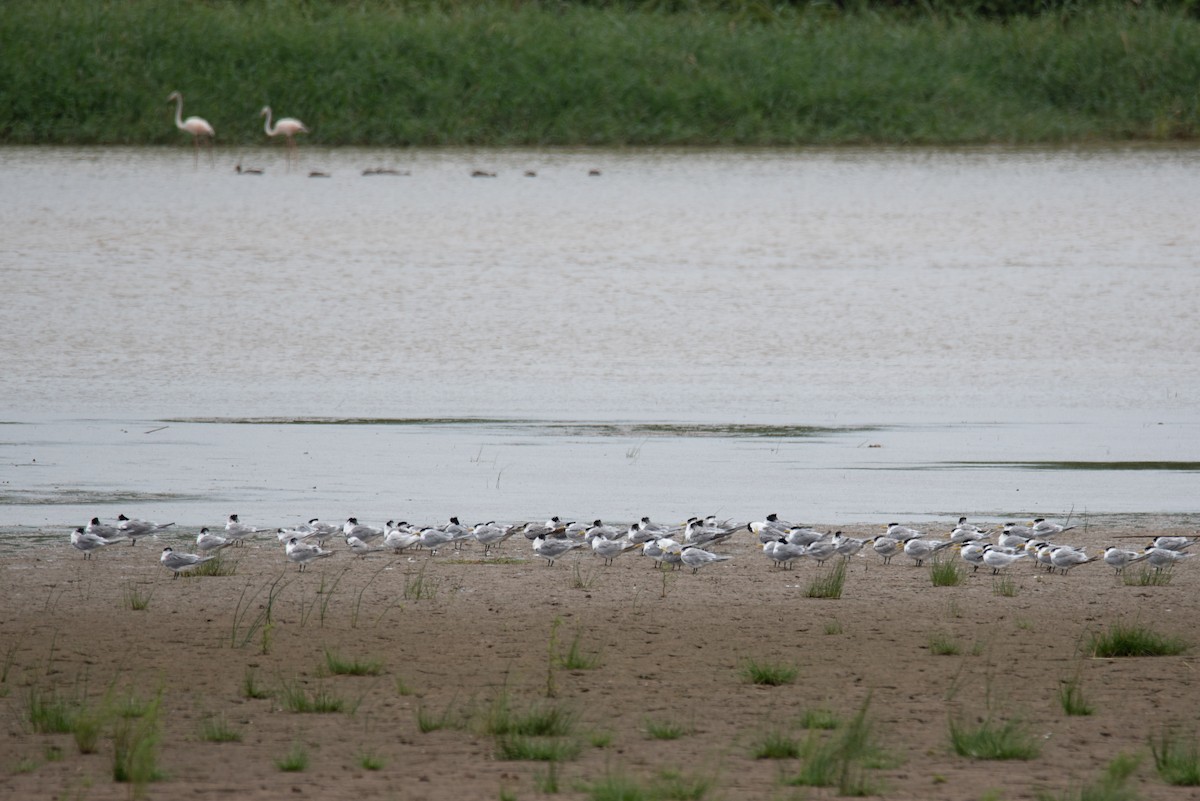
(998, 559)
(287, 127)
(695, 558)
(207, 541)
(551, 549)
(1064, 557)
(1044, 528)
(179, 562)
(302, 552)
(247, 170)
(133, 528)
(87, 543)
(1173, 543)
(198, 127)
(885, 547)
(1119, 558)
(103, 530)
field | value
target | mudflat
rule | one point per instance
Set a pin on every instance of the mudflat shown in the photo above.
(627, 673)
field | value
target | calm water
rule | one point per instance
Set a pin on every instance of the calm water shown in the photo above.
(835, 335)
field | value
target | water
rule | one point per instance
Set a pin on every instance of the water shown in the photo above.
(845, 335)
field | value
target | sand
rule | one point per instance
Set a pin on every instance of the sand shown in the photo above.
(671, 649)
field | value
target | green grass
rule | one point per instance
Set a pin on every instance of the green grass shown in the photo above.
(768, 673)
(296, 698)
(336, 666)
(843, 759)
(1113, 785)
(134, 598)
(943, 645)
(946, 573)
(1176, 759)
(536, 749)
(828, 583)
(1071, 698)
(532, 74)
(1146, 577)
(576, 658)
(668, 785)
(50, 712)
(1004, 586)
(833, 626)
(250, 686)
(214, 567)
(777, 745)
(135, 747)
(295, 761)
(450, 718)
(539, 720)
(666, 729)
(215, 729)
(369, 760)
(1127, 639)
(420, 587)
(819, 719)
(993, 740)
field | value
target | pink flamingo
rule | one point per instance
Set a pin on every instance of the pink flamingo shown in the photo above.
(198, 127)
(287, 127)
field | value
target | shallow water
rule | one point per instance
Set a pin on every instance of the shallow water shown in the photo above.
(1014, 330)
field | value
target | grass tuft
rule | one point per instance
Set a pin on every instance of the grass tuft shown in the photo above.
(135, 599)
(1112, 785)
(295, 761)
(369, 760)
(337, 666)
(213, 567)
(1177, 760)
(576, 658)
(515, 747)
(1005, 586)
(843, 759)
(215, 729)
(946, 573)
(1071, 699)
(296, 699)
(992, 740)
(777, 745)
(49, 712)
(943, 645)
(1146, 577)
(666, 729)
(829, 583)
(1124, 639)
(768, 674)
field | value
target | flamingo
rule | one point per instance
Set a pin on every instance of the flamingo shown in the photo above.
(288, 127)
(198, 127)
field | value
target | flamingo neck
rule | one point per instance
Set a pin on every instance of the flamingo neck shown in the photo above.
(179, 112)
(267, 124)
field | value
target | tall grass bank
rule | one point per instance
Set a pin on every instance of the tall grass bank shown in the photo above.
(378, 73)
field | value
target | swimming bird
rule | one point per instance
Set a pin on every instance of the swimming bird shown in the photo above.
(287, 127)
(1119, 558)
(695, 558)
(87, 543)
(198, 127)
(551, 549)
(207, 541)
(180, 562)
(133, 528)
(302, 553)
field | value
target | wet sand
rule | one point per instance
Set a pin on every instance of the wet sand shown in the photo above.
(670, 650)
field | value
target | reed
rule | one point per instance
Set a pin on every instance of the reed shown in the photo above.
(614, 73)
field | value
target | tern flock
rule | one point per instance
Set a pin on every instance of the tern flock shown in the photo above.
(690, 545)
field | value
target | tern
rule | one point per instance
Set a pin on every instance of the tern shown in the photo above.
(885, 547)
(1065, 557)
(103, 530)
(998, 559)
(180, 562)
(365, 533)
(902, 533)
(610, 549)
(1163, 557)
(133, 529)
(1044, 528)
(303, 552)
(87, 543)
(551, 549)
(1168, 543)
(919, 550)
(237, 530)
(207, 541)
(1119, 558)
(696, 558)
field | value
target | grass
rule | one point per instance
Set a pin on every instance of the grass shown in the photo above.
(777, 745)
(536, 749)
(1177, 760)
(135, 599)
(946, 573)
(135, 747)
(829, 583)
(943, 645)
(50, 712)
(768, 674)
(250, 686)
(668, 785)
(666, 729)
(450, 718)
(1126, 639)
(539, 720)
(336, 666)
(1005, 586)
(296, 699)
(819, 719)
(420, 587)
(576, 658)
(369, 760)
(877, 75)
(214, 567)
(584, 581)
(215, 729)
(993, 740)
(1146, 577)
(295, 761)
(1113, 785)
(1071, 698)
(833, 626)
(843, 759)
